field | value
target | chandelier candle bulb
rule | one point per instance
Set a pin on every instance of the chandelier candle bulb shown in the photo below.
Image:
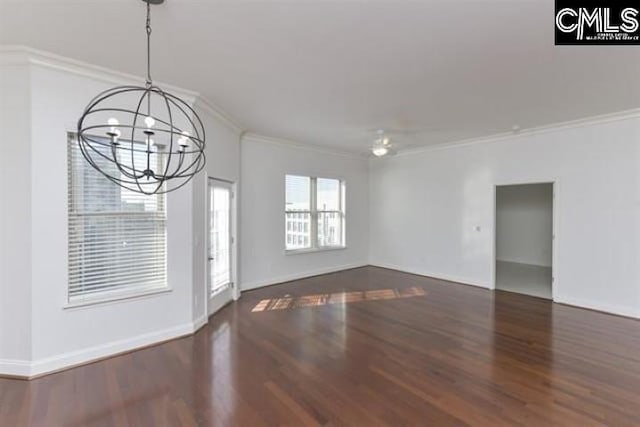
(149, 121)
(113, 122)
(183, 140)
(113, 133)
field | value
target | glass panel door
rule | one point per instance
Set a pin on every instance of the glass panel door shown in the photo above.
(220, 242)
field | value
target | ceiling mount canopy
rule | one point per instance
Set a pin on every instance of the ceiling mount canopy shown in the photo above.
(141, 137)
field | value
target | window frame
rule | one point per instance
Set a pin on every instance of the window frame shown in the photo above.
(314, 212)
(123, 292)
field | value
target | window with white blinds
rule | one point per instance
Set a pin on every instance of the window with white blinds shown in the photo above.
(314, 213)
(117, 238)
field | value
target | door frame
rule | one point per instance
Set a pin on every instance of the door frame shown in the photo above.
(555, 185)
(235, 292)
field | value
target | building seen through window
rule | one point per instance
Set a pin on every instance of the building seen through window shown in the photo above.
(314, 212)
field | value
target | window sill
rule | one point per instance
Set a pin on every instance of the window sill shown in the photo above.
(313, 250)
(115, 298)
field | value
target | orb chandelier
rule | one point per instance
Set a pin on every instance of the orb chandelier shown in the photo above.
(141, 137)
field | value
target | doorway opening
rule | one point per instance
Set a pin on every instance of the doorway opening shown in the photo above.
(220, 253)
(524, 240)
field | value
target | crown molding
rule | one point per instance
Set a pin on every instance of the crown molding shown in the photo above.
(555, 127)
(17, 55)
(24, 55)
(218, 114)
(255, 137)
(504, 136)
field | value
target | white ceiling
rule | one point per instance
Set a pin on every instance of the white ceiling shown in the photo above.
(331, 72)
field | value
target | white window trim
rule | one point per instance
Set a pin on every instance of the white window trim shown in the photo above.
(116, 297)
(312, 250)
(313, 218)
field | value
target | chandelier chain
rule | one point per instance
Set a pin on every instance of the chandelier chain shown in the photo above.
(148, 28)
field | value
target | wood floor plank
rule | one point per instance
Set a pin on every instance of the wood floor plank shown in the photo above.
(367, 346)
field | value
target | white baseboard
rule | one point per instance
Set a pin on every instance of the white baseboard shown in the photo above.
(520, 261)
(297, 276)
(598, 306)
(26, 369)
(29, 369)
(440, 276)
(15, 367)
(575, 302)
(200, 322)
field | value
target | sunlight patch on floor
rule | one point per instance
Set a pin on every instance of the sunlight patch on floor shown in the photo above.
(288, 302)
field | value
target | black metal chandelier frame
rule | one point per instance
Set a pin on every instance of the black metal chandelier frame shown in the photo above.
(130, 147)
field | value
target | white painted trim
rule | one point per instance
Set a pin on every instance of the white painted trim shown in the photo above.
(574, 302)
(254, 137)
(439, 276)
(114, 298)
(235, 232)
(553, 127)
(298, 276)
(521, 261)
(219, 300)
(237, 289)
(494, 239)
(205, 250)
(599, 306)
(15, 367)
(200, 322)
(17, 54)
(13, 55)
(219, 114)
(313, 250)
(555, 188)
(78, 357)
(23, 55)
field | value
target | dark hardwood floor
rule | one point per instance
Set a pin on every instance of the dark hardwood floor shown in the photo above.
(416, 351)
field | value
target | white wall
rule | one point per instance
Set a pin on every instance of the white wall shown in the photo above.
(263, 168)
(34, 223)
(432, 210)
(223, 162)
(15, 224)
(524, 224)
(58, 98)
